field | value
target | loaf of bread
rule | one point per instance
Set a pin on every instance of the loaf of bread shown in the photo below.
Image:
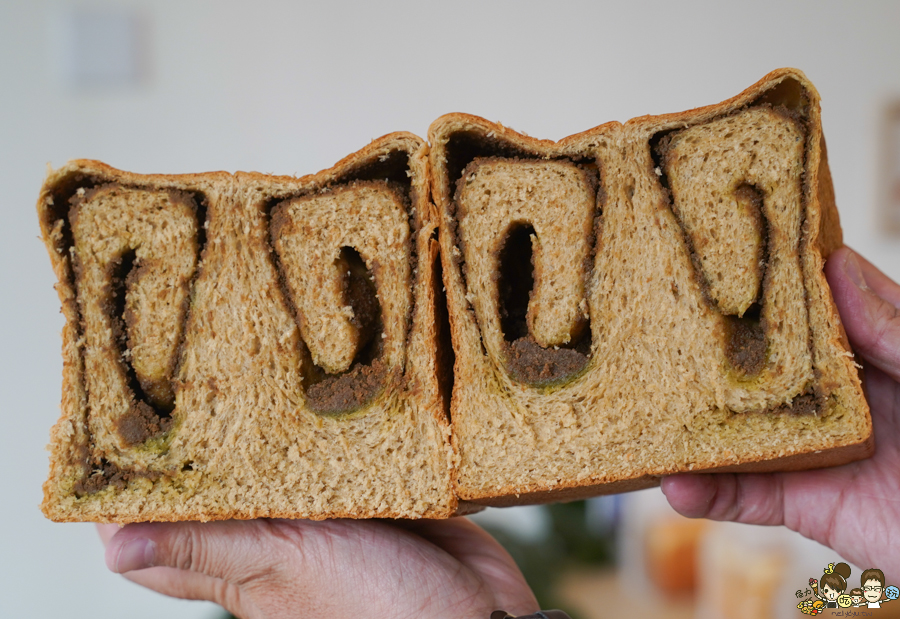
(241, 346)
(630, 302)
(644, 299)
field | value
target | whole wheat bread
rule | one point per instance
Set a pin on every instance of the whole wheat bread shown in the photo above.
(711, 339)
(201, 380)
(630, 302)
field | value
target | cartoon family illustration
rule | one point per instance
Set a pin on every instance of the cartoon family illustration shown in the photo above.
(829, 591)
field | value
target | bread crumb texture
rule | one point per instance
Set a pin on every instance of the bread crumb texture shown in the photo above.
(185, 280)
(632, 301)
(714, 342)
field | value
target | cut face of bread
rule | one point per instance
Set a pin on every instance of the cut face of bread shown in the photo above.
(514, 217)
(242, 346)
(736, 191)
(135, 254)
(352, 317)
(633, 301)
(676, 319)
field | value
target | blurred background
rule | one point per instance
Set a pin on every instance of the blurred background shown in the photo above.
(289, 88)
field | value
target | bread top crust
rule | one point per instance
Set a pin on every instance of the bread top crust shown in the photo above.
(749, 96)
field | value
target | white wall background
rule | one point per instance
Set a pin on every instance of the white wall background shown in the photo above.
(290, 88)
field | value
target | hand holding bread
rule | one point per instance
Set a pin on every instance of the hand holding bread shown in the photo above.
(485, 318)
(852, 508)
(450, 568)
(273, 569)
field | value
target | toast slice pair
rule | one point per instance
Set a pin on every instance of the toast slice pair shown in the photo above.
(633, 301)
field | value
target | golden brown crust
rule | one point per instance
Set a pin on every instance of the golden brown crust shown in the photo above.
(560, 494)
(231, 198)
(821, 235)
(622, 154)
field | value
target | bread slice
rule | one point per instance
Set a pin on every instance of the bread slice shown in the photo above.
(241, 346)
(644, 299)
(633, 301)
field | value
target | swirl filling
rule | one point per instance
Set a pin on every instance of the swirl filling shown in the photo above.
(135, 256)
(344, 258)
(526, 230)
(736, 188)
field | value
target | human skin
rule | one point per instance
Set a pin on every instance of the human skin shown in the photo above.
(853, 509)
(334, 568)
(276, 569)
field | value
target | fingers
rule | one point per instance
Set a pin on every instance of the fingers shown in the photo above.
(106, 531)
(166, 580)
(186, 585)
(867, 301)
(230, 550)
(473, 546)
(750, 498)
(881, 284)
(212, 561)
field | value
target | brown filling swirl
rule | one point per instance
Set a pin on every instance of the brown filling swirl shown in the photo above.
(735, 187)
(526, 228)
(344, 259)
(135, 257)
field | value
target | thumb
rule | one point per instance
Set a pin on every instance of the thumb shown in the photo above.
(868, 304)
(215, 561)
(751, 498)
(214, 548)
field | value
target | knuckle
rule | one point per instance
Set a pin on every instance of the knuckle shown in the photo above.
(229, 594)
(184, 549)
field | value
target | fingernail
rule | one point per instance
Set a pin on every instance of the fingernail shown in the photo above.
(854, 271)
(135, 554)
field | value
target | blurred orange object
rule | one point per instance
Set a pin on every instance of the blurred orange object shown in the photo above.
(670, 553)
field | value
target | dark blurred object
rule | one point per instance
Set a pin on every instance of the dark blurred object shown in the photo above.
(543, 614)
(571, 542)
